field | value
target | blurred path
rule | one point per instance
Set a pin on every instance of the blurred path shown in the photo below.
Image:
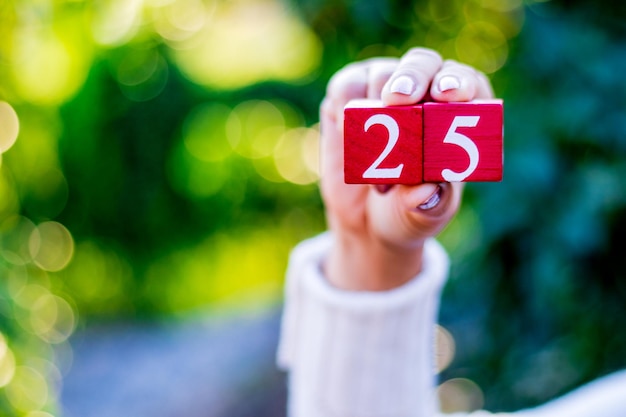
(201, 367)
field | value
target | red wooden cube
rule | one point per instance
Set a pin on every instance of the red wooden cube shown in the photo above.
(382, 145)
(463, 141)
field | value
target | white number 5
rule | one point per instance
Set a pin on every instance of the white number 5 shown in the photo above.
(393, 132)
(464, 142)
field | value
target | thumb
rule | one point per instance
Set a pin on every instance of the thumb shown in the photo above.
(429, 207)
(406, 215)
(422, 197)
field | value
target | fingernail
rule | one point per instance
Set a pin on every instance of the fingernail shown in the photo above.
(403, 85)
(432, 201)
(383, 188)
(448, 82)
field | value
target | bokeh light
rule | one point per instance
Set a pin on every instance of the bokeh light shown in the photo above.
(142, 73)
(9, 199)
(52, 318)
(15, 235)
(482, 45)
(297, 156)
(194, 177)
(99, 277)
(445, 348)
(51, 246)
(460, 395)
(38, 413)
(208, 130)
(7, 362)
(248, 41)
(475, 32)
(28, 390)
(261, 123)
(502, 5)
(177, 20)
(116, 21)
(10, 127)
(26, 298)
(49, 64)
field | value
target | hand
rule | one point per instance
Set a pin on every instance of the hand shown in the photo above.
(380, 230)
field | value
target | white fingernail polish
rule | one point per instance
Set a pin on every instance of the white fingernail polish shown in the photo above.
(432, 201)
(448, 82)
(403, 85)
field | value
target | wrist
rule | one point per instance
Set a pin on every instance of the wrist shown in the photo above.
(369, 264)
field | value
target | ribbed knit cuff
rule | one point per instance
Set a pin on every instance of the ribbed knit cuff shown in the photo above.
(359, 354)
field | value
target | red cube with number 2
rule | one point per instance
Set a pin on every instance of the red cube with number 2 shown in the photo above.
(379, 143)
(429, 142)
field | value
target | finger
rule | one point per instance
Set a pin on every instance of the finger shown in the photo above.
(411, 80)
(340, 198)
(430, 207)
(423, 197)
(347, 84)
(379, 73)
(331, 146)
(484, 86)
(459, 82)
(397, 216)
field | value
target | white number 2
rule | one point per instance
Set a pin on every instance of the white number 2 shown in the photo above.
(464, 142)
(393, 132)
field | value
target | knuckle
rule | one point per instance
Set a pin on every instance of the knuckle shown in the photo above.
(347, 82)
(383, 69)
(421, 52)
(459, 68)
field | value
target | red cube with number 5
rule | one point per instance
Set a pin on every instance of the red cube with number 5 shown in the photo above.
(382, 145)
(463, 141)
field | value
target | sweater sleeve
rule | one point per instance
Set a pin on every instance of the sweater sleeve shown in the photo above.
(359, 354)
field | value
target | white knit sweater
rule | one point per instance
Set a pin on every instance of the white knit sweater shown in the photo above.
(370, 354)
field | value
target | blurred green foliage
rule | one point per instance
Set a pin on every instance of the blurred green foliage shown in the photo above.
(166, 161)
(546, 295)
